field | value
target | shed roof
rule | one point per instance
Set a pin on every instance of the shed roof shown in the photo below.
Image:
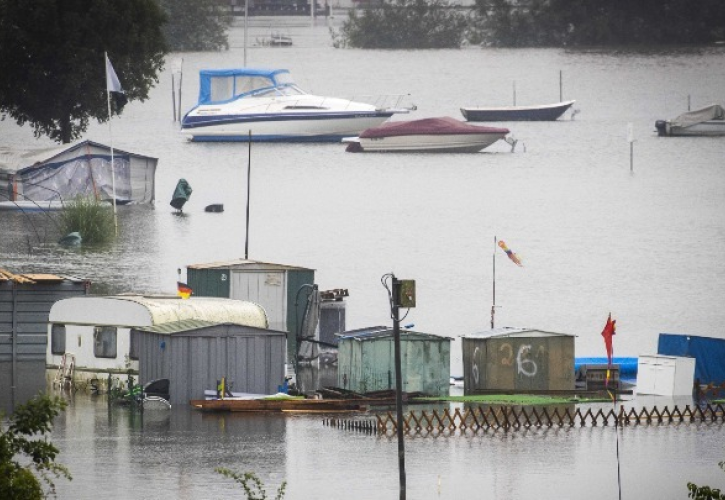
(140, 310)
(189, 325)
(32, 278)
(253, 265)
(509, 331)
(13, 159)
(377, 332)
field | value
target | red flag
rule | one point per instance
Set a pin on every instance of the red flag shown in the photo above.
(608, 332)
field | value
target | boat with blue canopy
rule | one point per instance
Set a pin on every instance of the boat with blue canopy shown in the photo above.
(266, 105)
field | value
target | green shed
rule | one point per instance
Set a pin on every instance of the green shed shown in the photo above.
(366, 361)
(518, 359)
(272, 286)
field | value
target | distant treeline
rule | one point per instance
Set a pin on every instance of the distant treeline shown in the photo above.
(532, 23)
(512, 23)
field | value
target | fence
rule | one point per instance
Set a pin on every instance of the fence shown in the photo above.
(509, 418)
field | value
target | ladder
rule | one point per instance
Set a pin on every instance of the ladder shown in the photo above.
(64, 377)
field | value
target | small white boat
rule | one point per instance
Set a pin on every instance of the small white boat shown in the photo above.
(708, 121)
(265, 105)
(430, 135)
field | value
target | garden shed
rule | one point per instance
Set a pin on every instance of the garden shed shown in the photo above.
(273, 286)
(25, 303)
(518, 359)
(366, 361)
(194, 355)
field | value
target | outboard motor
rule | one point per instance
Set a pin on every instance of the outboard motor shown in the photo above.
(661, 126)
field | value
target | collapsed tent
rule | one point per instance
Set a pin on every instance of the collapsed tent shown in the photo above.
(81, 169)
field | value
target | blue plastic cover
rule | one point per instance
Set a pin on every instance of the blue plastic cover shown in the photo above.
(709, 354)
(207, 75)
(627, 366)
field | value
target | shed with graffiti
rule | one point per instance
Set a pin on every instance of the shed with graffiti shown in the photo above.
(518, 359)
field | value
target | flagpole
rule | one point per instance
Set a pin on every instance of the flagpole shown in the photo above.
(110, 134)
(493, 307)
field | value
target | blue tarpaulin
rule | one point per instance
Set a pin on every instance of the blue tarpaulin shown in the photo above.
(709, 354)
(627, 366)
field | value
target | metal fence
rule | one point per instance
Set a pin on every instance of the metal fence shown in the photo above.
(508, 418)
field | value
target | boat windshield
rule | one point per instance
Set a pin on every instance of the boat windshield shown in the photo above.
(223, 88)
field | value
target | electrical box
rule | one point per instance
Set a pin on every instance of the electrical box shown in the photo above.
(407, 294)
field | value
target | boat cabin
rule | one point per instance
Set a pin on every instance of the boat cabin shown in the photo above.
(218, 86)
(95, 331)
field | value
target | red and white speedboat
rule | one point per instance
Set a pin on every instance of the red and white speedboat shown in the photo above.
(431, 135)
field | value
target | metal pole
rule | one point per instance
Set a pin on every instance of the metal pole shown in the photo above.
(493, 307)
(249, 180)
(173, 94)
(246, 14)
(398, 385)
(561, 87)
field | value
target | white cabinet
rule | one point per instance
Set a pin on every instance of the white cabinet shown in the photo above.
(662, 375)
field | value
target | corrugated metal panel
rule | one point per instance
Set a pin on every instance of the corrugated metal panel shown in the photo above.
(252, 361)
(366, 362)
(24, 309)
(534, 363)
(209, 282)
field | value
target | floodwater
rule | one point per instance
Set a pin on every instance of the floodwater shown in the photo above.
(600, 227)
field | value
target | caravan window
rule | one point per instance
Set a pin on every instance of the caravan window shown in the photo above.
(133, 348)
(57, 339)
(104, 341)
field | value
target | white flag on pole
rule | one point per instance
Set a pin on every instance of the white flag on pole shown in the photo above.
(112, 83)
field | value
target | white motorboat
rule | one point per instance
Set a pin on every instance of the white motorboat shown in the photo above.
(708, 121)
(265, 105)
(430, 135)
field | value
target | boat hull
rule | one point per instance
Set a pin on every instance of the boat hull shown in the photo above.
(429, 143)
(549, 112)
(282, 127)
(712, 128)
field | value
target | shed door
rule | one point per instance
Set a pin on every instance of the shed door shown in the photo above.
(266, 288)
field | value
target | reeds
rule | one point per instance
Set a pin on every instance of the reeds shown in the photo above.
(89, 217)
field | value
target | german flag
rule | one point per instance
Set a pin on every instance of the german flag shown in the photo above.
(183, 290)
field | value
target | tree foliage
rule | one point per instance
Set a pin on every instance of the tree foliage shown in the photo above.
(196, 25)
(53, 70)
(22, 481)
(402, 24)
(251, 484)
(706, 492)
(513, 23)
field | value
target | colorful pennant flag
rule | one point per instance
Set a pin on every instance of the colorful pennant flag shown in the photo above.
(510, 253)
(183, 290)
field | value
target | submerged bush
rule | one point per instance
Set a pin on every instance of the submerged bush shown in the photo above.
(89, 217)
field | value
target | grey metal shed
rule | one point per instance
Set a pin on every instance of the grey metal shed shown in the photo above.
(25, 302)
(518, 359)
(366, 361)
(273, 286)
(195, 354)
